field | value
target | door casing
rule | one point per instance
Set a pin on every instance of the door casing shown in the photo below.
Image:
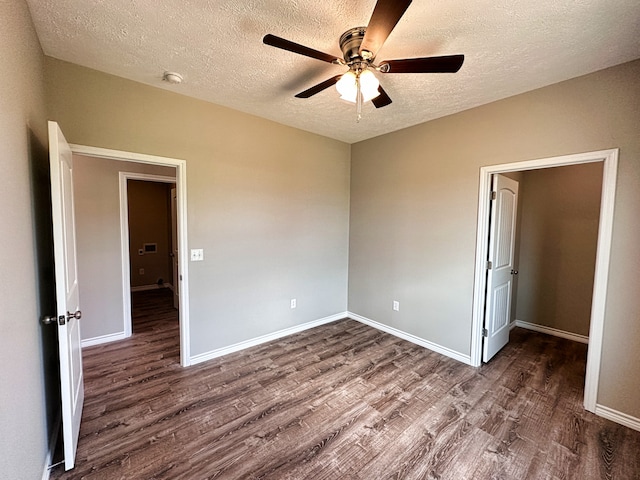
(181, 186)
(124, 239)
(603, 253)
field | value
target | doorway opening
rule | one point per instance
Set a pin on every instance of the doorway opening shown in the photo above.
(609, 158)
(181, 273)
(148, 224)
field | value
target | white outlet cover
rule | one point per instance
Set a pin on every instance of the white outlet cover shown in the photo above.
(197, 254)
(396, 306)
(294, 303)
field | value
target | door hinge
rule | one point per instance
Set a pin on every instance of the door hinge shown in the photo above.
(485, 332)
(494, 195)
(489, 265)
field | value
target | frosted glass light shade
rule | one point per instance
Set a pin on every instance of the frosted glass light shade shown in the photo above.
(369, 85)
(347, 86)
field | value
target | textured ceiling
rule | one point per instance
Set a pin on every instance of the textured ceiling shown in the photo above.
(510, 46)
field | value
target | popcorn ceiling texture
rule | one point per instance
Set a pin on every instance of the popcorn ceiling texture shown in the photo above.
(511, 46)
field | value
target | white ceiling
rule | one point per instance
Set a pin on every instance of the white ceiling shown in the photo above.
(510, 46)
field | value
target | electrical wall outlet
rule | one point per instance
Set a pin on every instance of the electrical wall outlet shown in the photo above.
(141, 271)
(294, 303)
(396, 306)
(197, 254)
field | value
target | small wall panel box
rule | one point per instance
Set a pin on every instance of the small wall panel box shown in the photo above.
(150, 248)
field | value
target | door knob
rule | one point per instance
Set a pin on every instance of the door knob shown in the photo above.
(77, 315)
(48, 320)
(514, 272)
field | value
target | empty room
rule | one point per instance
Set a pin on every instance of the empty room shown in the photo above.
(394, 239)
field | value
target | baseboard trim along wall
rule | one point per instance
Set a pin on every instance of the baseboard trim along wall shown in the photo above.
(203, 357)
(412, 338)
(551, 331)
(154, 286)
(602, 411)
(112, 337)
(618, 417)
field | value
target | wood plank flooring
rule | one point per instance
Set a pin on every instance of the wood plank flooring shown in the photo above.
(341, 401)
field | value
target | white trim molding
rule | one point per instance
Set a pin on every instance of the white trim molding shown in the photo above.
(183, 260)
(447, 352)
(551, 331)
(203, 357)
(140, 288)
(609, 158)
(618, 417)
(124, 177)
(112, 337)
(153, 286)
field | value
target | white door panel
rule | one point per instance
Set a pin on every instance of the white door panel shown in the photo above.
(500, 270)
(67, 291)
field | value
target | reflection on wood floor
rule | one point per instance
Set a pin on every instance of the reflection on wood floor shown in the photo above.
(341, 401)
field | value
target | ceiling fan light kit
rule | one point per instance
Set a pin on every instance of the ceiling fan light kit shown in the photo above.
(364, 83)
(359, 47)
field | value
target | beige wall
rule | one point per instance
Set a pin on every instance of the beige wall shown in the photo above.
(269, 204)
(559, 232)
(150, 222)
(414, 206)
(28, 354)
(97, 200)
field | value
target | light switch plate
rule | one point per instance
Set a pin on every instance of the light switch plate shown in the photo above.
(197, 254)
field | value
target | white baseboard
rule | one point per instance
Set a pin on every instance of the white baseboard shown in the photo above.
(203, 357)
(412, 338)
(154, 286)
(551, 331)
(618, 417)
(112, 337)
(53, 440)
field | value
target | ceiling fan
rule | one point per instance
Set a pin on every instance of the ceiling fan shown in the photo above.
(359, 47)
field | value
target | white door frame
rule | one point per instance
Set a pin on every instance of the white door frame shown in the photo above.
(605, 230)
(124, 238)
(181, 186)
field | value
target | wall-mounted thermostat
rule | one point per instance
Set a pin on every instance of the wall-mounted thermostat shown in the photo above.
(150, 248)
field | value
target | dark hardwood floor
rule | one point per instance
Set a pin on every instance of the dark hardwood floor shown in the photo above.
(341, 401)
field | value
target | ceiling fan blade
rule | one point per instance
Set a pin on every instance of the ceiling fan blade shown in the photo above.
(381, 100)
(297, 48)
(445, 64)
(319, 87)
(385, 16)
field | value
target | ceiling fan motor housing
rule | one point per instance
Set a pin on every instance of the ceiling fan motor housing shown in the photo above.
(350, 42)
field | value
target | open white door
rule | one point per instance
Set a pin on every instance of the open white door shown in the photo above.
(500, 266)
(67, 298)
